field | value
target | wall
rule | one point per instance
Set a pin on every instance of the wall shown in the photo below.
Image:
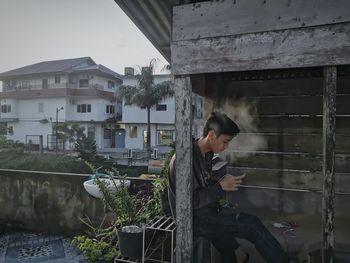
(47, 202)
(29, 117)
(137, 143)
(280, 144)
(29, 109)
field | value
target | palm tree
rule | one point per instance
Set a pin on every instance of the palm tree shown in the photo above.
(146, 94)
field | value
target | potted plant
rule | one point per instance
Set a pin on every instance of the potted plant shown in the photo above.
(129, 213)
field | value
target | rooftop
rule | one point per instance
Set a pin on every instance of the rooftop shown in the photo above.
(60, 66)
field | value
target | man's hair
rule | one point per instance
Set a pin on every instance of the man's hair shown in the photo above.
(220, 124)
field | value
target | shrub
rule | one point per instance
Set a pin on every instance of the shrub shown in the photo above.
(95, 250)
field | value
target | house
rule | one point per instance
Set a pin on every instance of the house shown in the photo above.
(77, 90)
(134, 119)
(132, 129)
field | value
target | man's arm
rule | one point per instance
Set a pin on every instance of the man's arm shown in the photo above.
(231, 183)
(206, 196)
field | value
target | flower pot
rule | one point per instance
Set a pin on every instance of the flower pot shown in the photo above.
(130, 244)
(93, 189)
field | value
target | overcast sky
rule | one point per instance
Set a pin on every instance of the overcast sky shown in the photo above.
(32, 31)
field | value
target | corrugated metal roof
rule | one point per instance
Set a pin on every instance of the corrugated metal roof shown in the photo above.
(153, 18)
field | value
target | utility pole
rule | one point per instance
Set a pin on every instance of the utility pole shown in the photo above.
(56, 130)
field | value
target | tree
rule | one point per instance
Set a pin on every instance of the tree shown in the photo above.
(70, 131)
(87, 149)
(146, 94)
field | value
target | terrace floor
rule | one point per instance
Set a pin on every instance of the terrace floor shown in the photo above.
(305, 237)
(35, 248)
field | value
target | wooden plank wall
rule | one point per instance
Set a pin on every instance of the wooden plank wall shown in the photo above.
(286, 126)
(238, 35)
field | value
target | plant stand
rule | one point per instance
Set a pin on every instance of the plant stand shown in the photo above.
(158, 242)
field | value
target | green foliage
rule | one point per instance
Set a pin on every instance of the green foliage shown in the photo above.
(95, 250)
(42, 162)
(87, 149)
(153, 204)
(3, 128)
(126, 208)
(11, 146)
(70, 131)
(166, 163)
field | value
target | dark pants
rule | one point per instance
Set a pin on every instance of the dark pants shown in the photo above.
(221, 228)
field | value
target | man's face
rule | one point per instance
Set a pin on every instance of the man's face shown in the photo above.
(221, 143)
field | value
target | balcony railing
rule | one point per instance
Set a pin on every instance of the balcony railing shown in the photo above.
(51, 86)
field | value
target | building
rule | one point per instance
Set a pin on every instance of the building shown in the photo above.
(78, 90)
(133, 126)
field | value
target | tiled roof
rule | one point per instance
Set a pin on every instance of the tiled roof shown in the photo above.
(48, 67)
(60, 66)
(102, 69)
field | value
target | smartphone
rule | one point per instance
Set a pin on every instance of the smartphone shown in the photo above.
(236, 172)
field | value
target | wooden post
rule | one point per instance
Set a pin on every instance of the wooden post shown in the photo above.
(329, 115)
(183, 166)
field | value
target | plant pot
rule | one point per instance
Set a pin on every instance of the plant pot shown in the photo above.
(130, 244)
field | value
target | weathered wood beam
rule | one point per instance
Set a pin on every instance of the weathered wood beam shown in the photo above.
(183, 166)
(291, 48)
(233, 17)
(329, 116)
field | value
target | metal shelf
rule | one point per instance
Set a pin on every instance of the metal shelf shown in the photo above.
(156, 237)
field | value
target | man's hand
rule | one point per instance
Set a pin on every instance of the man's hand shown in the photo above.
(230, 182)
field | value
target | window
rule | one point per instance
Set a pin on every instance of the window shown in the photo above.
(107, 134)
(111, 84)
(45, 83)
(133, 131)
(165, 137)
(6, 108)
(40, 107)
(161, 107)
(144, 139)
(110, 109)
(3, 128)
(91, 133)
(57, 79)
(83, 108)
(83, 83)
(10, 130)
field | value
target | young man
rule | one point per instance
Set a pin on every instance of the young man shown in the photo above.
(210, 222)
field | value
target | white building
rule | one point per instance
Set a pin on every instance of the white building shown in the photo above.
(132, 130)
(133, 126)
(77, 90)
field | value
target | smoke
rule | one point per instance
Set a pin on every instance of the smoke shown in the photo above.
(249, 140)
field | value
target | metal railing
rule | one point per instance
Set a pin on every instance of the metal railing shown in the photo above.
(51, 86)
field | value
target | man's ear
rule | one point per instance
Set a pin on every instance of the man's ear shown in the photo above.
(211, 135)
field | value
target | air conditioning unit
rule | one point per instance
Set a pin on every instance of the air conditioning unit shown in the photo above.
(73, 101)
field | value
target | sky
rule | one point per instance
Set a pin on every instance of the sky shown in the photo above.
(33, 31)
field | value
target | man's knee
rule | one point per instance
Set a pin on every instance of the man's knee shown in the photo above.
(250, 219)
